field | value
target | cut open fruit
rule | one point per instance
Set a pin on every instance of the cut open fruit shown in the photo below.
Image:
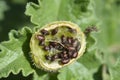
(56, 45)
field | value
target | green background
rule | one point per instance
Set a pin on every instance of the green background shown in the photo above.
(101, 60)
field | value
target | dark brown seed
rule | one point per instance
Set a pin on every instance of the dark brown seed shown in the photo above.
(74, 55)
(63, 39)
(72, 30)
(54, 57)
(75, 43)
(69, 40)
(65, 55)
(50, 46)
(54, 31)
(40, 37)
(46, 48)
(78, 47)
(60, 55)
(70, 53)
(64, 61)
(53, 44)
(41, 43)
(70, 48)
(47, 57)
(56, 45)
(59, 47)
(64, 52)
(44, 32)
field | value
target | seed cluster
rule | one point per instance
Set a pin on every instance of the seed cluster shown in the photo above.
(68, 47)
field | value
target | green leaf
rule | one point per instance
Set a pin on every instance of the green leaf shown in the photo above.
(42, 75)
(115, 71)
(77, 11)
(108, 40)
(75, 71)
(14, 53)
(109, 18)
(90, 60)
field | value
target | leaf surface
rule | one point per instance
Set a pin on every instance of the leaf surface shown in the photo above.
(115, 71)
(14, 53)
(77, 11)
(75, 71)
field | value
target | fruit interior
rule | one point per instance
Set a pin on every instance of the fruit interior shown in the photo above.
(55, 46)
